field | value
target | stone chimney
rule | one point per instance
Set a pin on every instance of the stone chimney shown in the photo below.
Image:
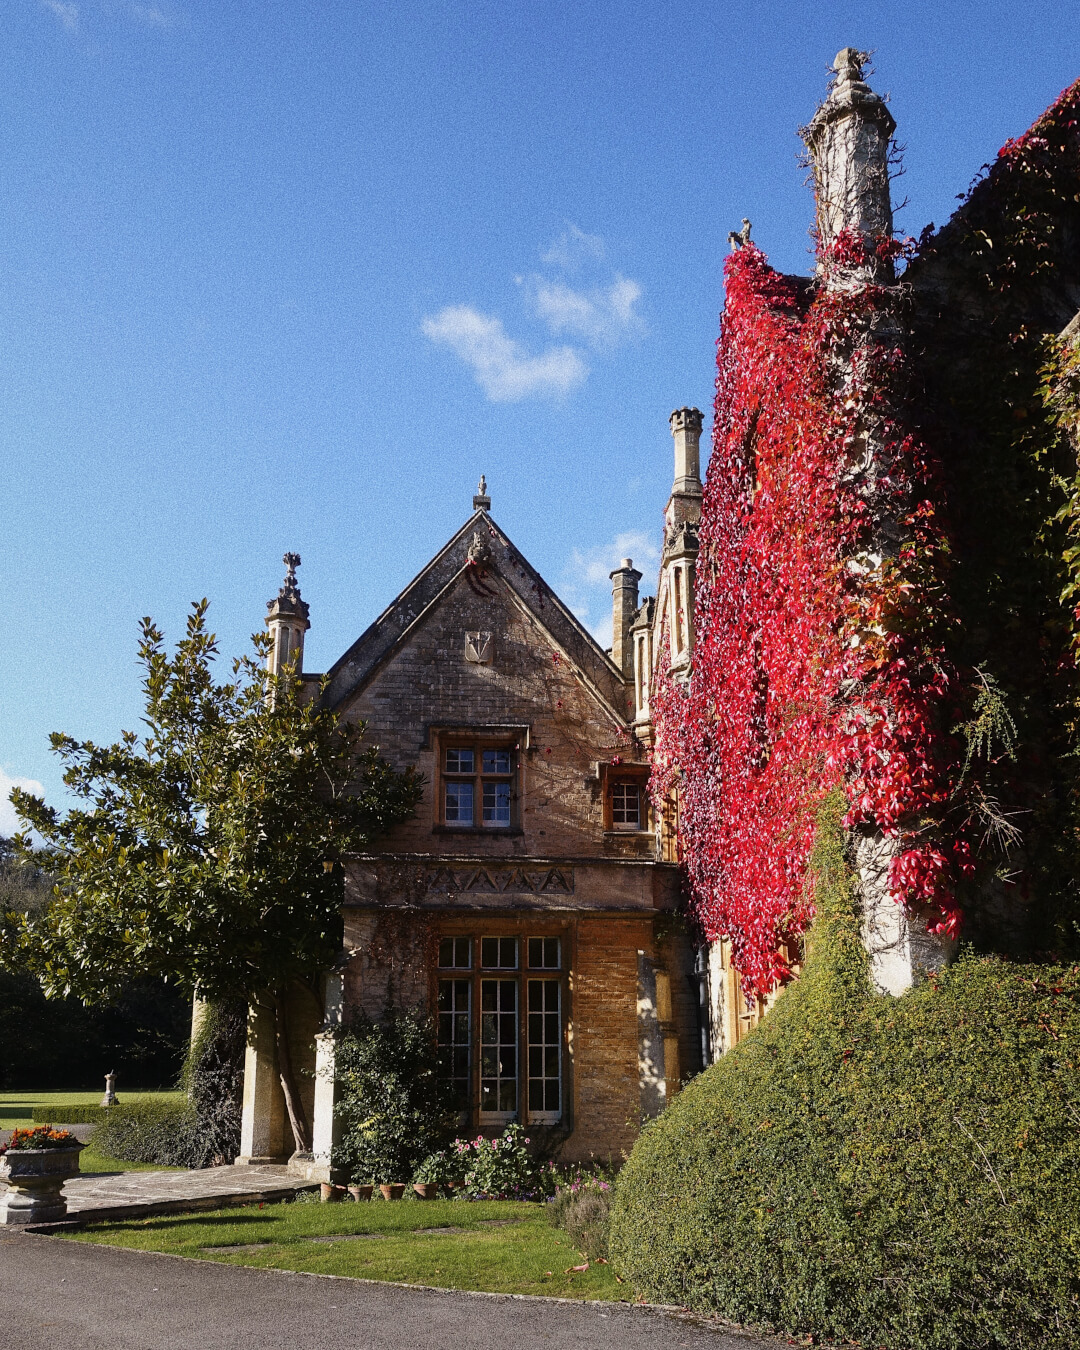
(848, 140)
(686, 429)
(624, 606)
(287, 621)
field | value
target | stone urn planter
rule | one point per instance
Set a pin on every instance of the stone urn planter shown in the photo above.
(392, 1190)
(35, 1178)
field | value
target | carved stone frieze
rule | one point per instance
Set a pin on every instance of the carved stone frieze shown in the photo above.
(449, 880)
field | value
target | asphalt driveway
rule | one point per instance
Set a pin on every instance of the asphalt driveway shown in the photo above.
(64, 1295)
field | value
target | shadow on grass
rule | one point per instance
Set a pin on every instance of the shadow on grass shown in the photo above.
(237, 1219)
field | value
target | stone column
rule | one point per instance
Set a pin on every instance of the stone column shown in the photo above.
(324, 1131)
(652, 1085)
(263, 1125)
(848, 140)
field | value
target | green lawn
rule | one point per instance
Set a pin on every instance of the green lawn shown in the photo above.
(502, 1247)
(16, 1108)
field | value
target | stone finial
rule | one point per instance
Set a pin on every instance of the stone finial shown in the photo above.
(848, 65)
(481, 502)
(287, 600)
(739, 238)
(848, 140)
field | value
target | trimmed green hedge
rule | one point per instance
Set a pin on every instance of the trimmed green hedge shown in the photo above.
(900, 1172)
(68, 1113)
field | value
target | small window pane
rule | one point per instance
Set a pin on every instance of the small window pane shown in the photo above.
(459, 803)
(544, 954)
(496, 803)
(455, 1037)
(496, 761)
(460, 760)
(545, 1048)
(498, 953)
(625, 806)
(455, 953)
(498, 1044)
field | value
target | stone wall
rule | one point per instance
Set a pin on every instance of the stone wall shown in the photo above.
(563, 727)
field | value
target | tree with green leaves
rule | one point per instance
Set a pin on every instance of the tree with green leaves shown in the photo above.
(207, 851)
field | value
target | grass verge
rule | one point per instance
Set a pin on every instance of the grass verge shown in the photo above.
(497, 1247)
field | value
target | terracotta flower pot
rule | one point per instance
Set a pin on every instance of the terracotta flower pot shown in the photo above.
(426, 1190)
(35, 1178)
(331, 1193)
(392, 1190)
(361, 1192)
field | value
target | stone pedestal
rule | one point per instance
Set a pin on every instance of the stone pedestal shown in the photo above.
(35, 1179)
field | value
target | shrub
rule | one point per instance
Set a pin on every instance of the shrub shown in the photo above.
(901, 1172)
(583, 1209)
(213, 1078)
(503, 1168)
(393, 1108)
(162, 1132)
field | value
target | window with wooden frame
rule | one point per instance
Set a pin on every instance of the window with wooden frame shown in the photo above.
(626, 799)
(501, 1026)
(477, 783)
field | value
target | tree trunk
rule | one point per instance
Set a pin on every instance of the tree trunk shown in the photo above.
(293, 1104)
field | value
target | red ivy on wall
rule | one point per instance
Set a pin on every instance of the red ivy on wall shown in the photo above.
(817, 662)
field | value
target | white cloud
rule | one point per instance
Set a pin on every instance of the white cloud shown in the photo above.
(602, 316)
(9, 821)
(574, 247)
(67, 13)
(586, 582)
(502, 367)
(151, 15)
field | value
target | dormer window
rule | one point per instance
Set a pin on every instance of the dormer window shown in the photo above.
(477, 785)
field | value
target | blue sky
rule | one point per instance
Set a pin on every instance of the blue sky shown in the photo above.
(282, 276)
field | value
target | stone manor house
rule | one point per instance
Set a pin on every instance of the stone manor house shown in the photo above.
(532, 902)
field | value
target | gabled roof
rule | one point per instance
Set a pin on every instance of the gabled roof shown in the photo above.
(396, 622)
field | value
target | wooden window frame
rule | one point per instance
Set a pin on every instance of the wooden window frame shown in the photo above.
(638, 775)
(477, 740)
(477, 929)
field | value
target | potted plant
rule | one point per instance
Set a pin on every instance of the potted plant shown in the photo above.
(392, 1190)
(35, 1164)
(362, 1190)
(436, 1170)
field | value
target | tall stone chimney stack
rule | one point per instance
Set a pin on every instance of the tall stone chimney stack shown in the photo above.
(848, 140)
(624, 607)
(684, 504)
(287, 621)
(686, 429)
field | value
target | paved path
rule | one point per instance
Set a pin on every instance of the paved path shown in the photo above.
(60, 1294)
(132, 1195)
